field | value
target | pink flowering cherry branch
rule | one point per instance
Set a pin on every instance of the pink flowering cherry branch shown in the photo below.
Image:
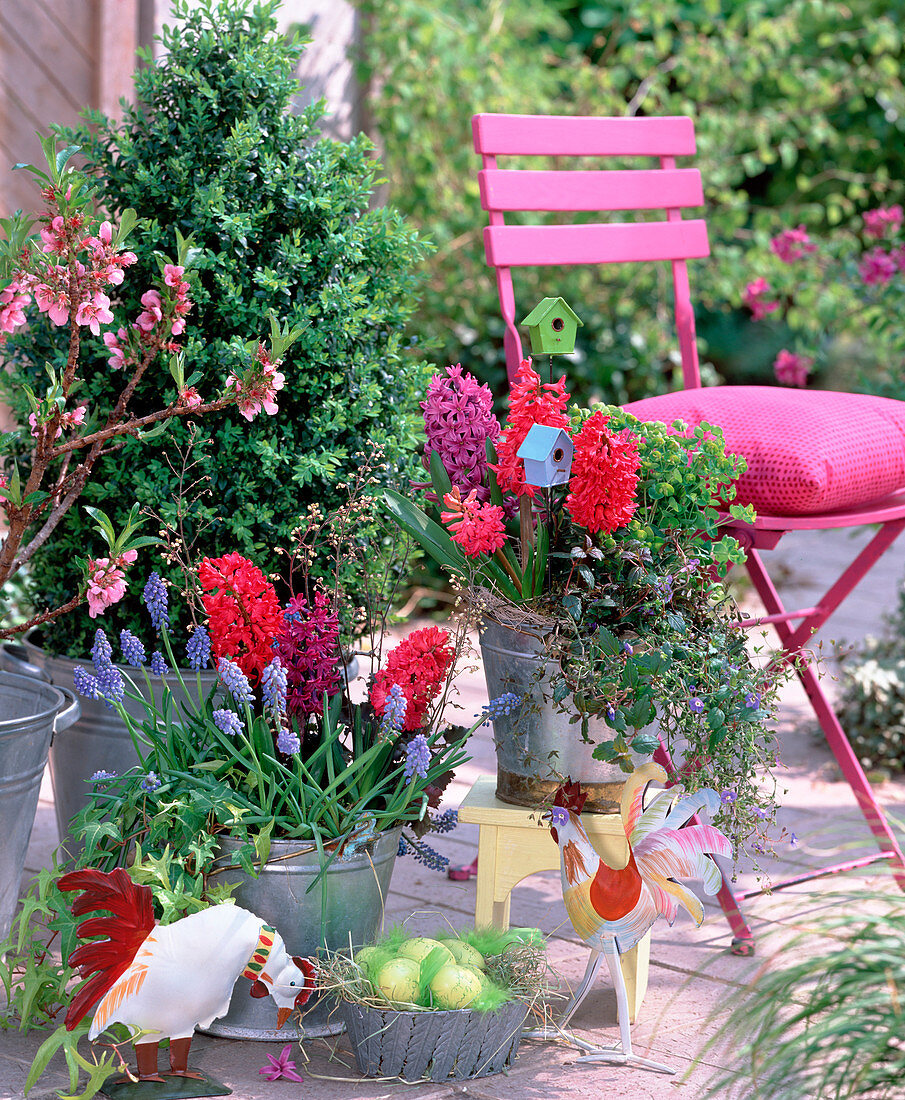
(67, 271)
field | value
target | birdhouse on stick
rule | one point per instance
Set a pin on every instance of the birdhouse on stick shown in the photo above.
(547, 454)
(552, 325)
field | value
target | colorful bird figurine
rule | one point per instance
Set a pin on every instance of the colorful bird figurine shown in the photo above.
(163, 980)
(612, 908)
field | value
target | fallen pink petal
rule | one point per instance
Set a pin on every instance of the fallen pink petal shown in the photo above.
(283, 1066)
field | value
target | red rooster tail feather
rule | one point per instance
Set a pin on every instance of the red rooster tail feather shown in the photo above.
(132, 920)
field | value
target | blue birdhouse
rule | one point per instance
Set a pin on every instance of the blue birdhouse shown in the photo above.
(547, 454)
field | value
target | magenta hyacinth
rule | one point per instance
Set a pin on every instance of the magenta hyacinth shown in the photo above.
(458, 420)
(308, 648)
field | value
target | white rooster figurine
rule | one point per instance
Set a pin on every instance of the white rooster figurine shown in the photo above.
(612, 908)
(166, 979)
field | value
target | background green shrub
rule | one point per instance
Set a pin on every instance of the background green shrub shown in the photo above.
(799, 108)
(284, 221)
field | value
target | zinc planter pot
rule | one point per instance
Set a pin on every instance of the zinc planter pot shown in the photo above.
(30, 713)
(536, 744)
(441, 1046)
(346, 906)
(99, 740)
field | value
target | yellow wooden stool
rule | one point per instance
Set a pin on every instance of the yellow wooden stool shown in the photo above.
(513, 843)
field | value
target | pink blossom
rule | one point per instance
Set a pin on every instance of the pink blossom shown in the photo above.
(792, 244)
(792, 369)
(94, 313)
(876, 266)
(106, 583)
(73, 419)
(54, 303)
(190, 398)
(114, 342)
(754, 298)
(282, 1066)
(105, 232)
(153, 312)
(13, 299)
(258, 388)
(36, 428)
(877, 221)
(178, 327)
(52, 236)
(172, 275)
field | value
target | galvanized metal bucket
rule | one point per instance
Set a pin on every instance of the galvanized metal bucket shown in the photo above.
(30, 713)
(346, 906)
(99, 740)
(441, 1046)
(536, 744)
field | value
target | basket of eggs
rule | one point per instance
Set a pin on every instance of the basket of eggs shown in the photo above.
(448, 1007)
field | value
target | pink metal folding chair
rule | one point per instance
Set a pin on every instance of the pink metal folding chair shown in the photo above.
(816, 460)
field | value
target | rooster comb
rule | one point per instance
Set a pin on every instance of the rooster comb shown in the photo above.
(570, 796)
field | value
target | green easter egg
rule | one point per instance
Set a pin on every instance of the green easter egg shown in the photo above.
(465, 954)
(420, 947)
(398, 980)
(455, 986)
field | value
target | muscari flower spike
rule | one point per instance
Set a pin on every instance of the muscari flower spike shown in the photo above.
(288, 742)
(235, 680)
(158, 664)
(417, 757)
(101, 651)
(157, 602)
(273, 686)
(228, 722)
(198, 648)
(132, 648)
(504, 704)
(394, 714)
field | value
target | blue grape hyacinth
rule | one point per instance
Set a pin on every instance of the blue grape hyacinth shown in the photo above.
(235, 680)
(132, 648)
(198, 648)
(157, 602)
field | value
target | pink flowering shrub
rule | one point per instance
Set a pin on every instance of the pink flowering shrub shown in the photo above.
(69, 272)
(845, 292)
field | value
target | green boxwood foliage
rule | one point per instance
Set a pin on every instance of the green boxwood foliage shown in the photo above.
(283, 217)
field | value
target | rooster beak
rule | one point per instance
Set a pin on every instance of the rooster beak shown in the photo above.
(282, 1016)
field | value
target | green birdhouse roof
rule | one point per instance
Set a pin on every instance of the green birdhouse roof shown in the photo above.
(546, 306)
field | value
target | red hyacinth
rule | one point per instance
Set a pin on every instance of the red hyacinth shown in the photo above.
(604, 476)
(419, 665)
(531, 402)
(243, 610)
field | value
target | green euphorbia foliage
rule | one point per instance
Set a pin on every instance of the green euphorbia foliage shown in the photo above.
(282, 216)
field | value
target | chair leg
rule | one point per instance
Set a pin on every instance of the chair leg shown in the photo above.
(742, 936)
(832, 729)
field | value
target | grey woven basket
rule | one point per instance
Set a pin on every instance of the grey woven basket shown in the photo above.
(439, 1046)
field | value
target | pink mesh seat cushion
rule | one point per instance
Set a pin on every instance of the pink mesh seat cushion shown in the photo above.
(808, 451)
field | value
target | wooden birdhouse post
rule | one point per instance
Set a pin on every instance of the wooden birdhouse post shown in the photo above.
(552, 325)
(547, 454)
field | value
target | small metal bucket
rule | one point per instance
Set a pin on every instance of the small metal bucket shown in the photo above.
(536, 744)
(30, 713)
(99, 740)
(345, 907)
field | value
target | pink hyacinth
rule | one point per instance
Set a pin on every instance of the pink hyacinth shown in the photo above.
(792, 244)
(877, 267)
(282, 1066)
(458, 421)
(877, 221)
(107, 582)
(755, 298)
(792, 369)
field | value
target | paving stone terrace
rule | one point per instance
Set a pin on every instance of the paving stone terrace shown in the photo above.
(691, 970)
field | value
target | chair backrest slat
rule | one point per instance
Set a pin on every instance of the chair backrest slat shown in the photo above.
(618, 242)
(551, 135)
(631, 189)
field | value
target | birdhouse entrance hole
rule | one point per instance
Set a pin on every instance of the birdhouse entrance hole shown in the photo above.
(558, 454)
(558, 324)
